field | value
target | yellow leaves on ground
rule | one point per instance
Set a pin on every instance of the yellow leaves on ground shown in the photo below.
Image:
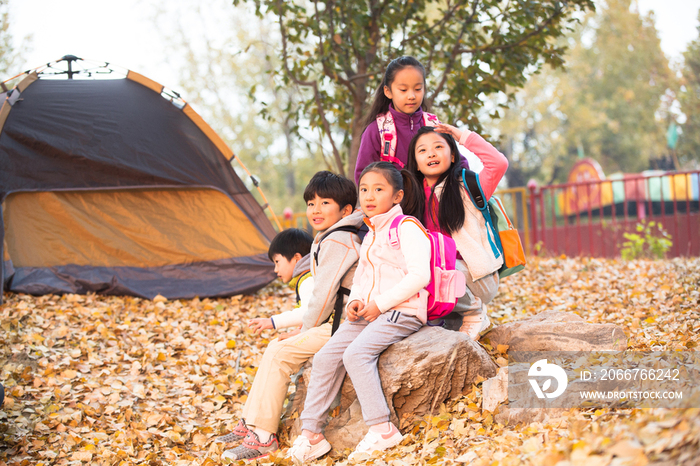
(125, 381)
(122, 380)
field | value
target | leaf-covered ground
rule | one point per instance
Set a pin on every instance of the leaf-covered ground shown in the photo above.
(121, 380)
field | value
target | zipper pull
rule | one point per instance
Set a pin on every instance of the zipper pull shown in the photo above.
(411, 120)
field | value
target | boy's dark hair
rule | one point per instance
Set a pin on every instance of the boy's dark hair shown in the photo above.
(400, 180)
(450, 214)
(328, 185)
(289, 242)
(380, 103)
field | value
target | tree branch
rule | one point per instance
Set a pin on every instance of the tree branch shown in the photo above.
(311, 84)
(453, 56)
(444, 19)
(324, 60)
(493, 47)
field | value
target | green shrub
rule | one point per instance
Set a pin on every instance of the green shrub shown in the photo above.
(651, 241)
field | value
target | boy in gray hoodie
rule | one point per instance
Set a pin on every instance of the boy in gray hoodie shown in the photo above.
(330, 209)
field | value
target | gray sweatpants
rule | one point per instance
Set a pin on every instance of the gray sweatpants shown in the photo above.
(479, 292)
(354, 348)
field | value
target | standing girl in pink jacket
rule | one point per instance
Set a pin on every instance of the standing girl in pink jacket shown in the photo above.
(446, 207)
(387, 303)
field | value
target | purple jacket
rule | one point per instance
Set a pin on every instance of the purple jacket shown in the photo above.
(406, 127)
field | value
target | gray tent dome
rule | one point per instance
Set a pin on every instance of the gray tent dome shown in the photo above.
(108, 187)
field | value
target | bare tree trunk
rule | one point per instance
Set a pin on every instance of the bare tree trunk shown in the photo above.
(357, 127)
(289, 176)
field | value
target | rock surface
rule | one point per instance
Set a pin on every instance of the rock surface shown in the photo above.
(547, 331)
(436, 364)
(557, 331)
(417, 374)
(494, 391)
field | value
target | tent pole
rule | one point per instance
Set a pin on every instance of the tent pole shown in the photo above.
(267, 204)
(70, 59)
(2, 256)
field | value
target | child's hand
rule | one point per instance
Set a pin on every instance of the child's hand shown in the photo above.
(352, 310)
(260, 324)
(370, 312)
(448, 129)
(284, 336)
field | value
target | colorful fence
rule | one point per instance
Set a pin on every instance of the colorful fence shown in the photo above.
(590, 217)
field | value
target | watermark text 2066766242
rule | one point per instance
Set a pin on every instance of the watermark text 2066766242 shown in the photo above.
(605, 374)
(628, 379)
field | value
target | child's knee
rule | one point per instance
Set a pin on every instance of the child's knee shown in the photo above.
(354, 356)
(273, 348)
(485, 288)
(325, 361)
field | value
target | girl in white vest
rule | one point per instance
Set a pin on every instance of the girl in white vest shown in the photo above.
(447, 208)
(387, 303)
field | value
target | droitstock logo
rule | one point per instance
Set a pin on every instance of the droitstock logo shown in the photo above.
(541, 369)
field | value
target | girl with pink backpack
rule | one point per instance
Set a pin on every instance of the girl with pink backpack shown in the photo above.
(397, 113)
(387, 303)
(433, 158)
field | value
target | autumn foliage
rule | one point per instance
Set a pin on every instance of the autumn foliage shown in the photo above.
(122, 380)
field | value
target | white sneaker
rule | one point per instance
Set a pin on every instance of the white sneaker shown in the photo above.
(374, 441)
(476, 325)
(302, 450)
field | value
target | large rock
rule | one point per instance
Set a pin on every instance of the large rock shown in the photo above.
(557, 331)
(494, 391)
(417, 374)
(524, 407)
(547, 331)
(497, 391)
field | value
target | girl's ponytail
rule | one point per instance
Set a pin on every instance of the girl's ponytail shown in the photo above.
(412, 203)
(380, 103)
(451, 208)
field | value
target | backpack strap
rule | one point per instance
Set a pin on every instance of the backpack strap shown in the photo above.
(342, 291)
(476, 194)
(394, 229)
(471, 183)
(338, 308)
(348, 228)
(302, 277)
(430, 120)
(388, 138)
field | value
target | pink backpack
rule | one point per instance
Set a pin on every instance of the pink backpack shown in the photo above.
(446, 285)
(387, 134)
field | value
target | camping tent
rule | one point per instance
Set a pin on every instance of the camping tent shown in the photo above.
(106, 186)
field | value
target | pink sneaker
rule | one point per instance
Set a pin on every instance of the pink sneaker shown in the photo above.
(476, 325)
(303, 450)
(374, 441)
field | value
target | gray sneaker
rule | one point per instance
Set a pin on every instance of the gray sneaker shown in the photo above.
(239, 433)
(252, 448)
